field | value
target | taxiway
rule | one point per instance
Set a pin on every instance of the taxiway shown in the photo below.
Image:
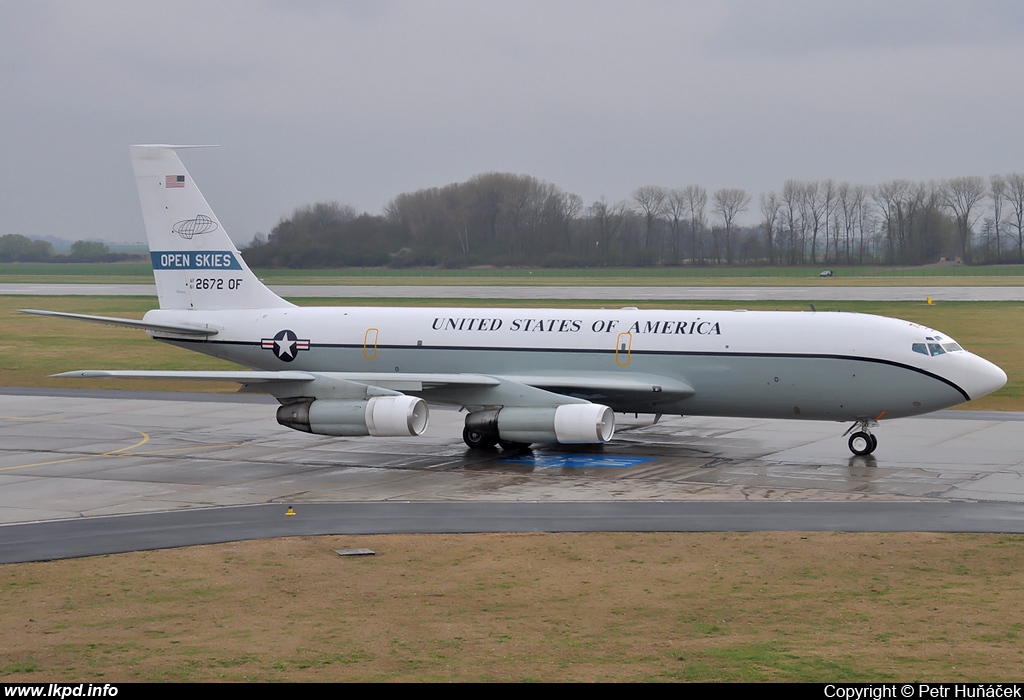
(213, 463)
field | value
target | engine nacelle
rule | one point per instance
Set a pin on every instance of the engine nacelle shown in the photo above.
(569, 424)
(380, 416)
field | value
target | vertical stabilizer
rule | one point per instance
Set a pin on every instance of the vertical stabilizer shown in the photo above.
(195, 263)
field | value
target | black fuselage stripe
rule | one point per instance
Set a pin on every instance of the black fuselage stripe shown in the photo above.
(600, 351)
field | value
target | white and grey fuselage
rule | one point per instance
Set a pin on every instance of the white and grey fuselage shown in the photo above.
(775, 364)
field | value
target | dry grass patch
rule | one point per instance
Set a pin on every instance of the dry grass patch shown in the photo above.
(547, 607)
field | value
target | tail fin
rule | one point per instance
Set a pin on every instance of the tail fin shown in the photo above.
(195, 264)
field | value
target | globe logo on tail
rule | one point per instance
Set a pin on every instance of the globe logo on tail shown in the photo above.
(194, 227)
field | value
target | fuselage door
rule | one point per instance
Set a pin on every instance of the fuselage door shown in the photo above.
(370, 344)
(623, 347)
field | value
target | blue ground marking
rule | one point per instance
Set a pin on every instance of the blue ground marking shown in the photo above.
(547, 459)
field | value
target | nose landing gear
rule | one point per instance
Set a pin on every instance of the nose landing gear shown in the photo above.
(862, 442)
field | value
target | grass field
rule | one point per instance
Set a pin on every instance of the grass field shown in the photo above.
(805, 607)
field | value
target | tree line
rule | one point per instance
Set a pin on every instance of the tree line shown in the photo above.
(507, 219)
(17, 248)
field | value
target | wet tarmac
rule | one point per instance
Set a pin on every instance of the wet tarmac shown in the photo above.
(190, 468)
(77, 455)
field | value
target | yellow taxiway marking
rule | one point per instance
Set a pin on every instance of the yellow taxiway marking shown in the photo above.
(181, 449)
(120, 452)
(112, 453)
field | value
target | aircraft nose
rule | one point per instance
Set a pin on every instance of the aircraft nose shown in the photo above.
(985, 378)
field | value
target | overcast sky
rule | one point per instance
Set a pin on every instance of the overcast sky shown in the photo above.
(359, 101)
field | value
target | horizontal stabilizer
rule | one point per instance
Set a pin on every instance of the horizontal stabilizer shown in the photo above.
(180, 328)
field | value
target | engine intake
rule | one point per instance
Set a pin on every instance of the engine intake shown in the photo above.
(380, 416)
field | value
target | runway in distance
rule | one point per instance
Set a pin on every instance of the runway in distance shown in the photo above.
(523, 375)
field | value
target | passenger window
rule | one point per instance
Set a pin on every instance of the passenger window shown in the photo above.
(920, 347)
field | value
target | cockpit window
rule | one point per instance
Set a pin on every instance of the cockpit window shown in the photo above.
(933, 349)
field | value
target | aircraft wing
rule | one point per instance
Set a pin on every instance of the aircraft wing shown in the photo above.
(284, 384)
(526, 390)
(409, 382)
(469, 390)
(180, 328)
(242, 377)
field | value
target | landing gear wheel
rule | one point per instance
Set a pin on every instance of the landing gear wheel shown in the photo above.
(478, 440)
(510, 446)
(862, 443)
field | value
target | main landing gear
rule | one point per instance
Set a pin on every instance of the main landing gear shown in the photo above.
(480, 440)
(862, 442)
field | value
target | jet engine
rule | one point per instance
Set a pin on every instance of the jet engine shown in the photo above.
(575, 423)
(380, 416)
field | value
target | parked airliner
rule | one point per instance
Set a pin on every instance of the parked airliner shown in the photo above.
(522, 375)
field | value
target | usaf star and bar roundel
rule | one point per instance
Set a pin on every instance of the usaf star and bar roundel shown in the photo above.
(285, 345)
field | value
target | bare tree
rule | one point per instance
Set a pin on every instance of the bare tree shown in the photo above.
(849, 205)
(571, 206)
(828, 202)
(931, 238)
(961, 196)
(813, 206)
(696, 198)
(997, 191)
(728, 204)
(988, 236)
(792, 220)
(675, 211)
(911, 224)
(606, 221)
(651, 200)
(1015, 198)
(890, 198)
(866, 226)
(770, 211)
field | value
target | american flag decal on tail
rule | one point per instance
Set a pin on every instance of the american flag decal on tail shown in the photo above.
(174, 181)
